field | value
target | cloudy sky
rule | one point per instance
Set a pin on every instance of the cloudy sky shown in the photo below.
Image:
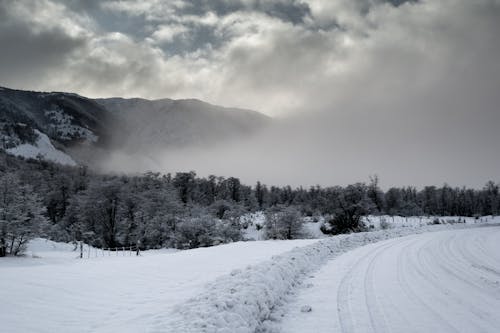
(406, 89)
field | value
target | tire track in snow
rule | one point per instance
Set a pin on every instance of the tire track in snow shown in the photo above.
(428, 271)
(344, 309)
(402, 271)
(376, 313)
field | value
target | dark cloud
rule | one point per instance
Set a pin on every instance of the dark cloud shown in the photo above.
(27, 53)
(401, 2)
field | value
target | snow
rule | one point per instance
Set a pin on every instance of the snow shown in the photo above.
(247, 300)
(446, 281)
(59, 293)
(375, 222)
(42, 147)
(254, 223)
(264, 286)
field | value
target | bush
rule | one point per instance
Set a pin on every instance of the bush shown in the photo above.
(205, 231)
(344, 224)
(286, 224)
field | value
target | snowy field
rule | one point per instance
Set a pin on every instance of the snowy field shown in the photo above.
(429, 277)
(58, 293)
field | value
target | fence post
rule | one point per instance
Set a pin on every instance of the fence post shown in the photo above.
(81, 250)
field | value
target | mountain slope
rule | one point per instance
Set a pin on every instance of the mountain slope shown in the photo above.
(67, 119)
(88, 129)
(178, 123)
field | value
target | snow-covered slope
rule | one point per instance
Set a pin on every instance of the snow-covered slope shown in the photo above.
(69, 119)
(43, 148)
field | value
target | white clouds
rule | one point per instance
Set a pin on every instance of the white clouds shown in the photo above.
(45, 15)
(166, 33)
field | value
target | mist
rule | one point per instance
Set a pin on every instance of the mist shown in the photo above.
(337, 150)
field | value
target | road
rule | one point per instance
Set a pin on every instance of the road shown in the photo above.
(446, 281)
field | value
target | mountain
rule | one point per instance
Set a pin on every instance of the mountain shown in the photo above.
(178, 123)
(86, 129)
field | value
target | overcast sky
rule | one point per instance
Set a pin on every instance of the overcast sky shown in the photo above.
(406, 89)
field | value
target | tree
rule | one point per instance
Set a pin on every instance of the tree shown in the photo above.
(491, 198)
(101, 209)
(260, 194)
(157, 215)
(352, 204)
(185, 183)
(375, 194)
(21, 215)
(283, 223)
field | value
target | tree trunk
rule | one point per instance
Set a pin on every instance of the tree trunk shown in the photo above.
(3, 248)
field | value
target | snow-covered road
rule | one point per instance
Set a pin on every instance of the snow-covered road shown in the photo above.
(446, 281)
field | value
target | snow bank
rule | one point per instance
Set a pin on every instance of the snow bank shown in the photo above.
(42, 147)
(244, 300)
(45, 245)
(393, 221)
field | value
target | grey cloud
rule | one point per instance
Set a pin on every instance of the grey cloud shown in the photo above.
(27, 54)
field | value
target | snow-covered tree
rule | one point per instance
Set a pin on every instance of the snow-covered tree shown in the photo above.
(21, 215)
(284, 223)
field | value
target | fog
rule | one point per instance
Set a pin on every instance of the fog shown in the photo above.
(328, 150)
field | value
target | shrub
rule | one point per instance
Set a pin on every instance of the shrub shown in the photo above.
(286, 224)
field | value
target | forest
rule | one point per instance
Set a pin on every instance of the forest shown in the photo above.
(153, 210)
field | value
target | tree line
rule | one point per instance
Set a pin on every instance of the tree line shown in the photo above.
(40, 198)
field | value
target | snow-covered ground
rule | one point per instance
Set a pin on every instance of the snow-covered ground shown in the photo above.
(255, 223)
(261, 286)
(385, 221)
(42, 147)
(252, 300)
(447, 281)
(55, 292)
